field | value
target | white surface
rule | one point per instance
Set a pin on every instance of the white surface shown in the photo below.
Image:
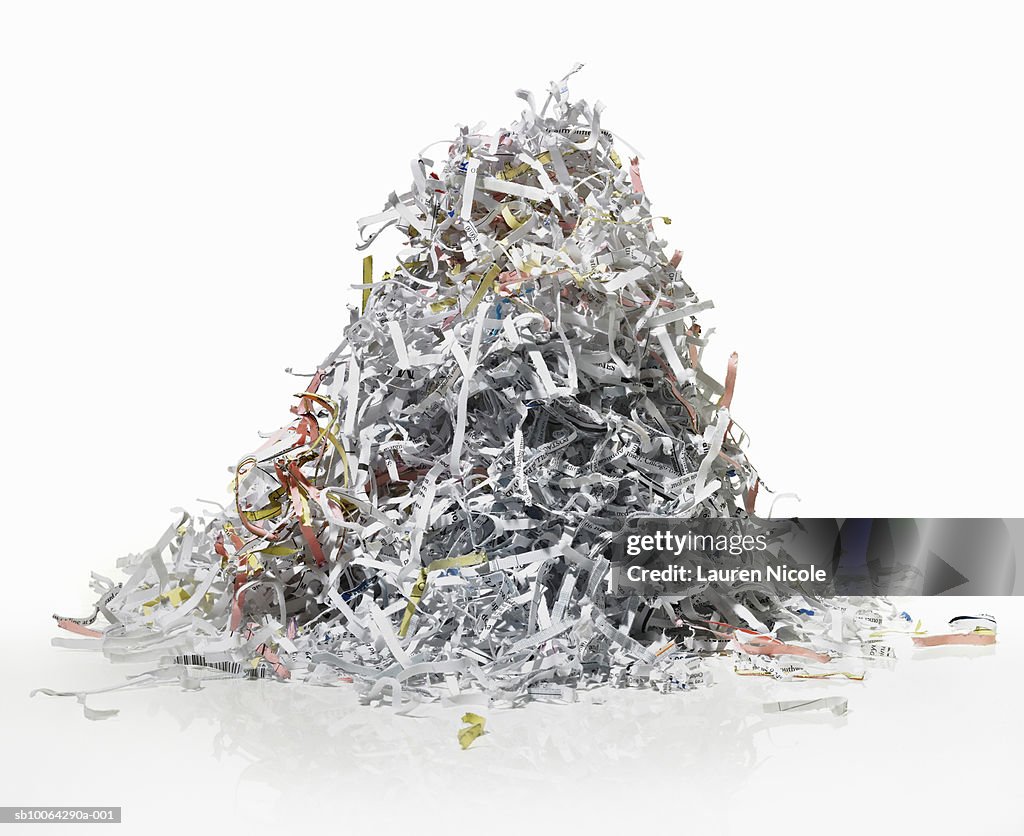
(931, 747)
(178, 190)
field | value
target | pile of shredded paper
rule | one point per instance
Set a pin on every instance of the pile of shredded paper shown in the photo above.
(522, 382)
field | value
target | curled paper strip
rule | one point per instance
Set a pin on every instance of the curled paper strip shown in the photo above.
(523, 380)
(471, 732)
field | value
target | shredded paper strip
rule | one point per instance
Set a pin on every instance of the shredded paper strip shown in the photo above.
(522, 381)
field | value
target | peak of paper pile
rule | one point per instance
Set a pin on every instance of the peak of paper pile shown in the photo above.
(523, 381)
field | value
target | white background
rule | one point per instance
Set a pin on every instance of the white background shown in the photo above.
(179, 185)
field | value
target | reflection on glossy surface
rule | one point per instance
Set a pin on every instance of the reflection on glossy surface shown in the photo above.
(953, 651)
(310, 736)
(266, 756)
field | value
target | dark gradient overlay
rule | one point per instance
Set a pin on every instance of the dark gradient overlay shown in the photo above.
(860, 556)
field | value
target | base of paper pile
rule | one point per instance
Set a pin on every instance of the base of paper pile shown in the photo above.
(262, 754)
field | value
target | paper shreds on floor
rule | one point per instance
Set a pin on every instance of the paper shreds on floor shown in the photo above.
(471, 732)
(523, 379)
(837, 705)
(964, 629)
